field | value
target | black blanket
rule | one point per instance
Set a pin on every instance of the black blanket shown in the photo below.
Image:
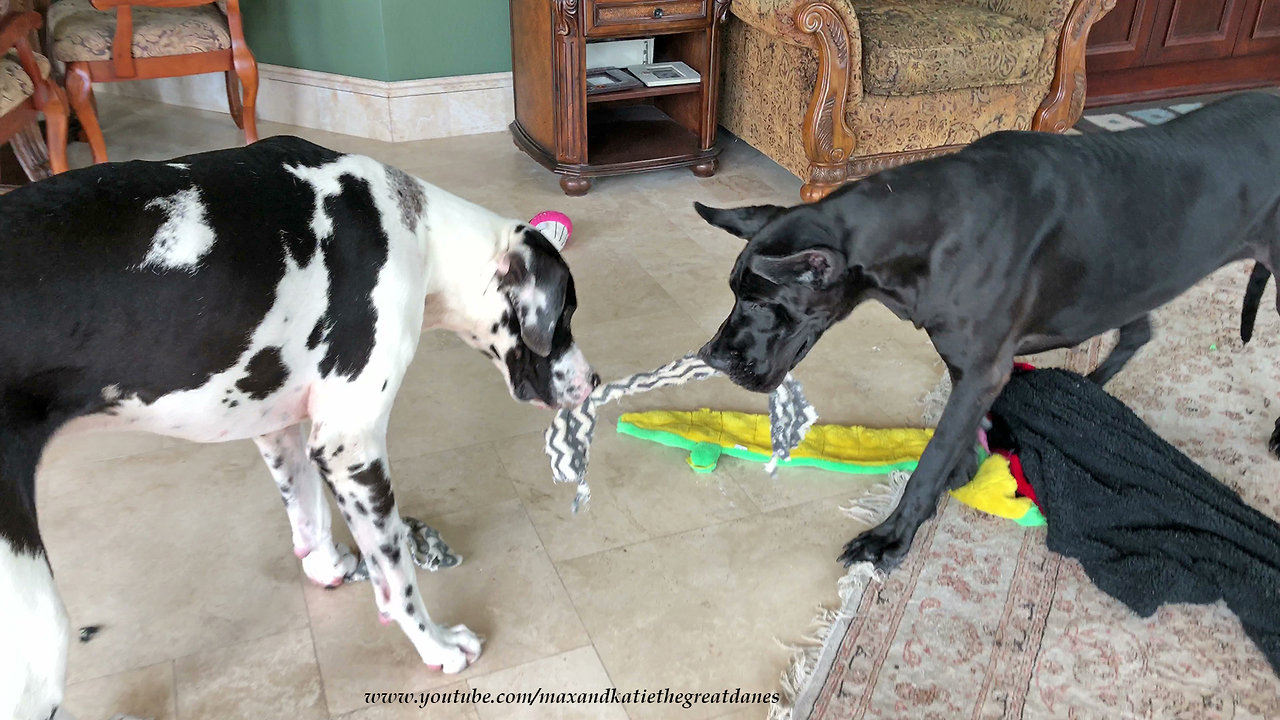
(1149, 525)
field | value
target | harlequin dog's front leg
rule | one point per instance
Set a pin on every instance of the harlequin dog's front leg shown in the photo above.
(355, 466)
(327, 563)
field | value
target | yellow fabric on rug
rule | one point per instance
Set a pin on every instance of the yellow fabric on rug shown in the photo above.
(750, 433)
(993, 490)
(707, 434)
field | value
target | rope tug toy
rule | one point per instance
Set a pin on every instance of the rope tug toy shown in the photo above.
(569, 437)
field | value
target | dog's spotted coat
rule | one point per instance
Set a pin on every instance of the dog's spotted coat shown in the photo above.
(239, 294)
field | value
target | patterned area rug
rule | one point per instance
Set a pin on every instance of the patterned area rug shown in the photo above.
(982, 621)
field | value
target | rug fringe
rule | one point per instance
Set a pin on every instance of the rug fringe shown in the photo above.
(878, 501)
(870, 508)
(935, 400)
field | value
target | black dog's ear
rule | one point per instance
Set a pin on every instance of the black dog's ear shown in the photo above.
(744, 222)
(817, 267)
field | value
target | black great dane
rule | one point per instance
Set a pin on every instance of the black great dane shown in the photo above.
(1022, 242)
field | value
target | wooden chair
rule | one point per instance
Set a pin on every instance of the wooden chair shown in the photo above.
(113, 40)
(25, 91)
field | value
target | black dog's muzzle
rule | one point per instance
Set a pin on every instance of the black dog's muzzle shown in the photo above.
(743, 372)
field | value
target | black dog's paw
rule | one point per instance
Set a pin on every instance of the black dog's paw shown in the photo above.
(964, 471)
(1274, 444)
(884, 546)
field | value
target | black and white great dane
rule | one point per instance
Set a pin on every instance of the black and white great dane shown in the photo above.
(1022, 242)
(238, 294)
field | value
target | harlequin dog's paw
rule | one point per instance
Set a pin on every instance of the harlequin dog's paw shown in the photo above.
(331, 566)
(450, 649)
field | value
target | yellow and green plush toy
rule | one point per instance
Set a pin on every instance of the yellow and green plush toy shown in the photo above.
(708, 434)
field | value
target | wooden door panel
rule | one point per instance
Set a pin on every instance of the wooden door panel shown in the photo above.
(1119, 40)
(1260, 31)
(1194, 30)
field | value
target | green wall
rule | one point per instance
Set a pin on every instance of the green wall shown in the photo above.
(382, 39)
(437, 38)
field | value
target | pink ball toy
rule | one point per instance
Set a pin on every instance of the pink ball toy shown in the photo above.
(555, 226)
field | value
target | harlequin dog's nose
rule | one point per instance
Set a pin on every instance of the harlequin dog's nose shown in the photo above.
(595, 380)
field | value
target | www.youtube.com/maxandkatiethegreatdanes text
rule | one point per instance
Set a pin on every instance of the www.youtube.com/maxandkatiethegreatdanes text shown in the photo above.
(665, 696)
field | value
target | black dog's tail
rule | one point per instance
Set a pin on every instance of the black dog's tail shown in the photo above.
(1253, 296)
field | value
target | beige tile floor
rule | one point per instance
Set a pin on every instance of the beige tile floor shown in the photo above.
(181, 552)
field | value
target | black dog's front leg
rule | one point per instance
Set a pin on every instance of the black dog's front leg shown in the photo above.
(1131, 339)
(887, 544)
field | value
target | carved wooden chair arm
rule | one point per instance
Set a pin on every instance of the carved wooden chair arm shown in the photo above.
(1064, 102)
(828, 140)
(18, 27)
(15, 31)
(831, 27)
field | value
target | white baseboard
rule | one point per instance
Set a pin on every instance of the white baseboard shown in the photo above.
(390, 111)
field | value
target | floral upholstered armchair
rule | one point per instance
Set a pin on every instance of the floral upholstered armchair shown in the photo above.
(112, 40)
(25, 92)
(838, 89)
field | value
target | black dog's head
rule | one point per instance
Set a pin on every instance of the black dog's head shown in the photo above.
(789, 286)
(523, 324)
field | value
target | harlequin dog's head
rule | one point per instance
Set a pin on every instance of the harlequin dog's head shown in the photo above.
(530, 339)
(789, 286)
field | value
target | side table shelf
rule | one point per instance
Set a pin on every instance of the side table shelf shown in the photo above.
(648, 128)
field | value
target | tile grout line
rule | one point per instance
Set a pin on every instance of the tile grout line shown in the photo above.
(543, 546)
(506, 471)
(714, 524)
(315, 652)
(577, 613)
(173, 674)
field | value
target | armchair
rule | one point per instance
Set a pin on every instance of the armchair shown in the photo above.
(834, 90)
(113, 40)
(25, 91)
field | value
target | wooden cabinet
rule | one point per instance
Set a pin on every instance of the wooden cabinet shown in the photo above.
(1260, 31)
(1194, 30)
(1147, 49)
(580, 136)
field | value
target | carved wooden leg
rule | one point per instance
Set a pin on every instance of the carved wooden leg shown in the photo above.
(30, 151)
(823, 180)
(233, 98)
(828, 141)
(247, 72)
(55, 129)
(575, 186)
(706, 169)
(1064, 104)
(80, 93)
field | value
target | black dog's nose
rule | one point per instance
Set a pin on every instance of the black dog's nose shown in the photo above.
(713, 358)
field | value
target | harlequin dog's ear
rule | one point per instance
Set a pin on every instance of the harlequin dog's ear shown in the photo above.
(744, 222)
(536, 280)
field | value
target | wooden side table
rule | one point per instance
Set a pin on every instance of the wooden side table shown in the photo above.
(628, 131)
